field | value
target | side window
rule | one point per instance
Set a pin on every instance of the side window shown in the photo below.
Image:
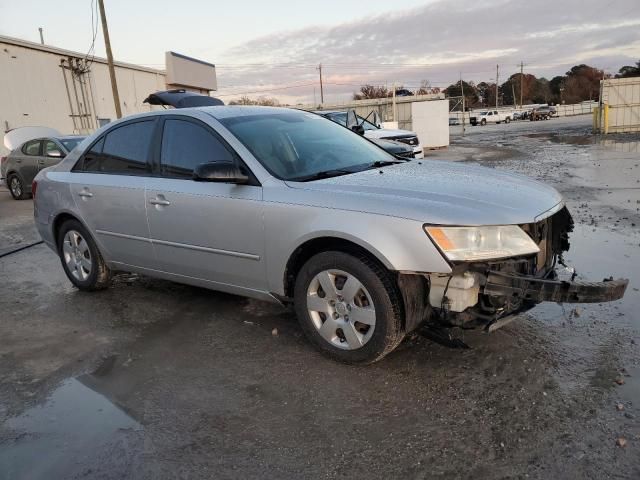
(186, 145)
(31, 148)
(50, 146)
(123, 150)
(91, 161)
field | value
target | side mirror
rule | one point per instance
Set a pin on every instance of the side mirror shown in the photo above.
(359, 129)
(55, 153)
(222, 172)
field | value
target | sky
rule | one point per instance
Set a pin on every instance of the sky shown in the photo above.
(272, 48)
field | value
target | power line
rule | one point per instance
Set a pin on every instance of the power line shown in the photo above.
(94, 32)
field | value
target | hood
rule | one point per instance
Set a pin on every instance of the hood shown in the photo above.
(393, 147)
(388, 133)
(443, 193)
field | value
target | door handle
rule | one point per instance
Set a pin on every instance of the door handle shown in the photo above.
(85, 194)
(159, 201)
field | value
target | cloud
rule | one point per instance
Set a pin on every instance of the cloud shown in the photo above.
(436, 42)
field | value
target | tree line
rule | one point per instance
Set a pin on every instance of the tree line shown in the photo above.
(579, 84)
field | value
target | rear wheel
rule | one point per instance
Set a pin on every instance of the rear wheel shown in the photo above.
(81, 259)
(16, 187)
(348, 307)
(507, 120)
(483, 122)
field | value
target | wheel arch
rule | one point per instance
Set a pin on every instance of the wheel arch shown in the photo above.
(310, 247)
(59, 220)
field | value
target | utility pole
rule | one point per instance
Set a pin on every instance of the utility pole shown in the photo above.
(321, 89)
(497, 73)
(112, 71)
(463, 109)
(521, 80)
(41, 35)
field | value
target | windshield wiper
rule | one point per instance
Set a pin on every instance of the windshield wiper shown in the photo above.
(323, 174)
(383, 163)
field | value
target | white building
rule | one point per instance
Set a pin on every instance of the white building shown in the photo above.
(42, 85)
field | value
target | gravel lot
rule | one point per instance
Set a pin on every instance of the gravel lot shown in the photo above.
(152, 379)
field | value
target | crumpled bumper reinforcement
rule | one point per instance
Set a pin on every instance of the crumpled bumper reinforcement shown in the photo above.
(561, 291)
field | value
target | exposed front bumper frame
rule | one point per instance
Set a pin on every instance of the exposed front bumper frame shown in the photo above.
(561, 291)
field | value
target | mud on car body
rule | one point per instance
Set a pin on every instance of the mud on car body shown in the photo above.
(287, 206)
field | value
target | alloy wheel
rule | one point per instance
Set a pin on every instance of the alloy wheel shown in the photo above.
(77, 255)
(16, 187)
(341, 309)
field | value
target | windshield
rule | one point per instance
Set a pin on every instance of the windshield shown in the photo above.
(295, 145)
(341, 118)
(70, 143)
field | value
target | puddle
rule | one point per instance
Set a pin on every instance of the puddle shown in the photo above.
(58, 438)
(619, 143)
(597, 253)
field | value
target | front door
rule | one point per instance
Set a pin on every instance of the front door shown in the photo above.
(108, 187)
(204, 230)
(52, 154)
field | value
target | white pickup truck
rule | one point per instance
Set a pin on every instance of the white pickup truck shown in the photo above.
(489, 116)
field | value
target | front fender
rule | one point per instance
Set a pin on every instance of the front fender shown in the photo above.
(399, 244)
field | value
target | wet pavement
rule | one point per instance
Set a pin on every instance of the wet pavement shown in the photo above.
(152, 379)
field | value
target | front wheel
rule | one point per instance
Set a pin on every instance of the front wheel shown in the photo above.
(81, 259)
(348, 307)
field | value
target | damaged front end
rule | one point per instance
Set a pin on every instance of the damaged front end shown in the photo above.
(488, 293)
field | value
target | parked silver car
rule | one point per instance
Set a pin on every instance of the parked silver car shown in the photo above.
(287, 206)
(20, 167)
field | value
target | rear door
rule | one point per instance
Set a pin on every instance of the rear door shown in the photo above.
(108, 187)
(204, 230)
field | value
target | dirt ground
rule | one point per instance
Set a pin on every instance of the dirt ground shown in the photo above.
(151, 379)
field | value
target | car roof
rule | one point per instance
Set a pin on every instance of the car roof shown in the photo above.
(228, 111)
(217, 112)
(61, 137)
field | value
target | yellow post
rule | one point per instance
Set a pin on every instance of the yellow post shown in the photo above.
(596, 117)
(605, 120)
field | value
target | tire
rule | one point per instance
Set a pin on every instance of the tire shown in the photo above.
(81, 259)
(483, 122)
(507, 120)
(16, 187)
(377, 301)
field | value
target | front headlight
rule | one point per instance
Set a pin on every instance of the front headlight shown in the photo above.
(466, 244)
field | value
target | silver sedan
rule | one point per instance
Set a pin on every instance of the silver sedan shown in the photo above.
(287, 206)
